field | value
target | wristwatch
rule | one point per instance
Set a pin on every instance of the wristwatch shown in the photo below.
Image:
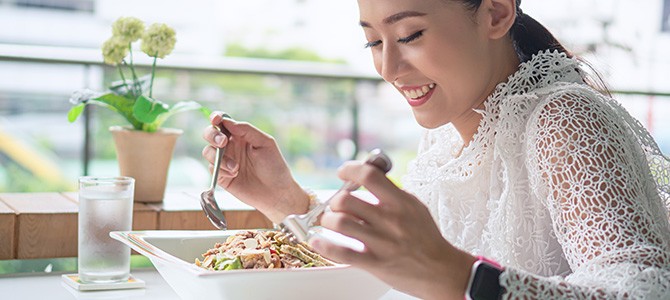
(484, 283)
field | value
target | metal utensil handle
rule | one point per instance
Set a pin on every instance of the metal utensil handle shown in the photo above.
(217, 164)
(376, 158)
(219, 152)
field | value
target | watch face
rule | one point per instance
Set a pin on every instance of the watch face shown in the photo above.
(486, 283)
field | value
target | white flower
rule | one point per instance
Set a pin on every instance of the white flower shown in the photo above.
(114, 50)
(128, 29)
(158, 40)
(82, 96)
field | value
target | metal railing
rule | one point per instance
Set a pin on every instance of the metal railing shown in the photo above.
(90, 58)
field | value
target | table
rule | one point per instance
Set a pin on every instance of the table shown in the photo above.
(54, 214)
(40, 225)
(52, 287)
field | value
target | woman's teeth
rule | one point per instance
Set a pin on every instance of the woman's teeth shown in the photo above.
(419, 92)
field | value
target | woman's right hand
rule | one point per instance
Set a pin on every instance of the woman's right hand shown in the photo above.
(253, 169)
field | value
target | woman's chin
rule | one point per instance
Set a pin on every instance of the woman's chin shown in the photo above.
(428, 123)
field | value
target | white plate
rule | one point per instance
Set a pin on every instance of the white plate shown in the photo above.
(173, 254)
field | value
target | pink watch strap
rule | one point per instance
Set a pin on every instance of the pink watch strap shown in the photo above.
(480, 259)
(490, 261)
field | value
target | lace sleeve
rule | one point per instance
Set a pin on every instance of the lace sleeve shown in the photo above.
(607, 214)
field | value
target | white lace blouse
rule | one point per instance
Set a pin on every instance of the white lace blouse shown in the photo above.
(560, 185)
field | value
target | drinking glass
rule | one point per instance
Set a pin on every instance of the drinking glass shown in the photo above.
(105, 204)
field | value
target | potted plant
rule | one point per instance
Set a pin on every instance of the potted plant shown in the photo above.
(144, 149)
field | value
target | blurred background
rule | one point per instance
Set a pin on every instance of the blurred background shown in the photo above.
(294, 68)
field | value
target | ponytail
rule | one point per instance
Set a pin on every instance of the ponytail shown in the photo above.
(530, 37)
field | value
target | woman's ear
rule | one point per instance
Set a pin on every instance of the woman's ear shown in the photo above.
(499, 16)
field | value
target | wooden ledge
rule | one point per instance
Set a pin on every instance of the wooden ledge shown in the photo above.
(44, 225)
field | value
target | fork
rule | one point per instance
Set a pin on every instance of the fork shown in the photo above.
(298, 227)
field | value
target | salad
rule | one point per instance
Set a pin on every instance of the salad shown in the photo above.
(259, 249)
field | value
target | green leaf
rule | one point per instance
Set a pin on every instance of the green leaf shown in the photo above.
(206, 111)
(150, 127)
(184, 106)
(120, 104)
(146, 109)
(181, 107)
(114, 102)
(75, 111)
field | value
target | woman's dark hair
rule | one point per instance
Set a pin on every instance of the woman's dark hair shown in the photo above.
(530, 37)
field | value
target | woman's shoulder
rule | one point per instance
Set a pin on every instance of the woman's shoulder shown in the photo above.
(560, 100)
(579, 114)
(560, 108)
(572, 101)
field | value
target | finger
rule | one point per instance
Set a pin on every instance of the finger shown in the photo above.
(248, 132)
(371, 178)
(223, 174)
(215, 137)
(228, 164)
(216, 116)
(241, 130)
(342, 222)
(347, 203)
(208, 152)
(341, 254)
(353, 227)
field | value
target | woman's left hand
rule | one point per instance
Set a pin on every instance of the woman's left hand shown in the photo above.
(403, 246)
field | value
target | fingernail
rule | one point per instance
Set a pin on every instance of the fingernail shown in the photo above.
(218, 139)
(231, 165)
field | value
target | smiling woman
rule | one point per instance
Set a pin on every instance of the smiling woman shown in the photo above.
(529, 183)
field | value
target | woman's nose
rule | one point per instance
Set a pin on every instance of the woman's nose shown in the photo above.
(391, 64)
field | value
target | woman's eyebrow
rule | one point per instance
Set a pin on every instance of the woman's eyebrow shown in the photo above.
(396, 17)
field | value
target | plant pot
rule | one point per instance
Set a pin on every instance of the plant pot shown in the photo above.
(146, 157)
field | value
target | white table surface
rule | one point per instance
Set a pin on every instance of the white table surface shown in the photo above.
(52, 287)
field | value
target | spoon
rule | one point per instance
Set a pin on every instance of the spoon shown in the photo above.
(207, 200)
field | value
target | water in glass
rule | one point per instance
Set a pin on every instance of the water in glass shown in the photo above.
(104, 205)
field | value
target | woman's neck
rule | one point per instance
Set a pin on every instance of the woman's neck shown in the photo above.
(468, 124)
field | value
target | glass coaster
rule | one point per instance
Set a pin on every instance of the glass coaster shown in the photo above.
(73, 281)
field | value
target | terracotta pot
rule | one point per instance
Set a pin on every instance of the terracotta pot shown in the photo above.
(146, 157)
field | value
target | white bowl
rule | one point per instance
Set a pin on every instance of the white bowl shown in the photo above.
(173, 254)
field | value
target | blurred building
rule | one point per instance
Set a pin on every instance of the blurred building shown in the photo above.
(627, 41)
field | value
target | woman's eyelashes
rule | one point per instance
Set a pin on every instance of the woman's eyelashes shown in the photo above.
(411, 37)
(372, 44)
(404, 40)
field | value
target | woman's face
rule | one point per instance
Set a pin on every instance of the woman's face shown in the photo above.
(434, 52)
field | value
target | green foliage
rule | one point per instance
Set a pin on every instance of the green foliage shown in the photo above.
(75, 111)
(293, 53)
(59, 265)
(146, 109)
(264, 123)
(22, 181)
(143, 113)
(127, 97)
(38, 265)
(247, 84)
(300, 141)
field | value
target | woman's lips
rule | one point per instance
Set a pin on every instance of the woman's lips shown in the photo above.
(417, 96)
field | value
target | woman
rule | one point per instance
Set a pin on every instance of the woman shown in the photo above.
(535, 169)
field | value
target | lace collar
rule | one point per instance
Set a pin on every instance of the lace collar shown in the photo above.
(542, 70)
